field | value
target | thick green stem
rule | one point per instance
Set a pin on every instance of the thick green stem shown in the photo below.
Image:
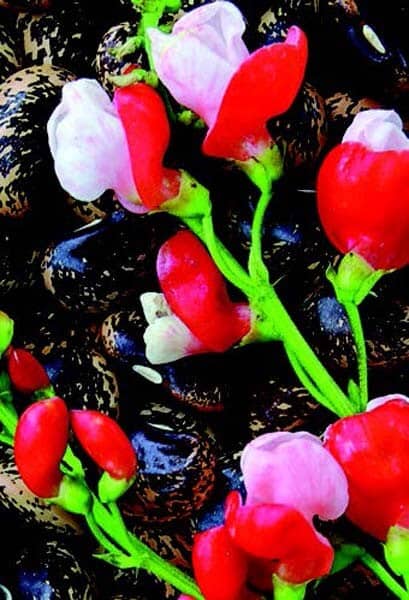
(257, 269)
(384, 576)
(355, 323)
(274, 317)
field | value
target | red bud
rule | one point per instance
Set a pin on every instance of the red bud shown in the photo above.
(39, 445)
(26, 373)
(105, 442)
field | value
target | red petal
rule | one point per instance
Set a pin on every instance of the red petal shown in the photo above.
(263, 87)
(146, 125)
(196, 293)
(39, 444)
(363, 199)
(220, 568)
(373, 449)
(105, 442)
(278, 533)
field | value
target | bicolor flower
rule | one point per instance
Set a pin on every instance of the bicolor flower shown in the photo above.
(363, 191)
(206, 67)
(194, 314)
(373, 449)
(98, 144)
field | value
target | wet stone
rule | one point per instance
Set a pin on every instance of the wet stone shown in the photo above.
(176, 461)
(106, 264)
(50, 569)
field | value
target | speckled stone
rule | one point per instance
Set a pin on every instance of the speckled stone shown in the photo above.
(20, 262)
(63, 37)
(16, 498)
(105, 264)
(10, 55)
(49, 569)
(176, 461)
(341, 109)
(27, 99)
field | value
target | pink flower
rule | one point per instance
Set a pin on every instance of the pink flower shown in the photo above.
(363, 191)
(194, 314)
(98, 144)
(373, 450)
(296, 470)
(206, 67)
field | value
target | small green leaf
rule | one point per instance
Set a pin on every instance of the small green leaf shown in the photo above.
(346, 555)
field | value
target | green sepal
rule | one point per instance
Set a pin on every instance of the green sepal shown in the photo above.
(43, 393)
(396, 550)
(346, 555)
(354, 393)
(6, 331)
(5, 386)
(288, 591)
(192, 202)
(354, 279)
(269, 162)
(110, 489)
(73, 495)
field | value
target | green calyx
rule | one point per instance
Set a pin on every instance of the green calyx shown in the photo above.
(6, 331)
(267, 165)
(288, 591)
(110, 489)
(397, 550)
(192, 202)
(354, 279)
(73, 495)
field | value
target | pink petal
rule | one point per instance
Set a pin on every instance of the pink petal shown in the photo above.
(264, 86)
(294, 469)
(88, 144)
(378, 130)
(197, 60)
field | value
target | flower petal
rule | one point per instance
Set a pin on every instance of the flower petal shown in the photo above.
(197, 60)
(372, 449)
(296, 470)
(264, 86)
(167, 339)
(220, 567)
(88, 144)
(143, 116)
(279, 533)
(378, 130)
(197, 294)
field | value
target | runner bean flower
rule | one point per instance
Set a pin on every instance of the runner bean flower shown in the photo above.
(363, 191)
(372, 448)
(194, 314)
(98, 144)
(206, 66)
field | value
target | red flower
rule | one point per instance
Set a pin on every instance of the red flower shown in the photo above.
(257, 542)
(363, 191)
(199, 315)
(373, 450)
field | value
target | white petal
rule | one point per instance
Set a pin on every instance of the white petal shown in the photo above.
(197, 60)
(168, 339)
(378, 130)
(154, 306)
(88, 143)
(379, 401)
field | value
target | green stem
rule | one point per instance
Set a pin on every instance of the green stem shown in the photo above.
(109, 518)
(8, 417)
(384, 576)
(355, 323)
(6, 439)
(257, 269)
(274, 317)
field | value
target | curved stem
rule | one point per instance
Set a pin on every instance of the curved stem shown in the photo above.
(257, 268)
(384, 576)
(275, 318)
(355, 322)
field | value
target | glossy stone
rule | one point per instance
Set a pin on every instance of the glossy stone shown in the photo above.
(176, 461)
(105, 264)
